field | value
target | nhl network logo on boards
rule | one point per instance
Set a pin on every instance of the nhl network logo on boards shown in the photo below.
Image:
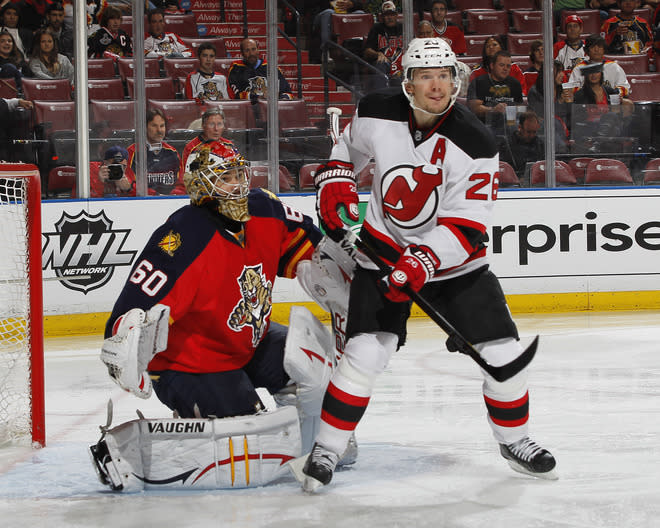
(84, 250)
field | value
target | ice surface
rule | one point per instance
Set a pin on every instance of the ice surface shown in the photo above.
(427, 457)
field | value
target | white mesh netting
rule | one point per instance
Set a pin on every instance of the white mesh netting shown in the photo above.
(15, 404)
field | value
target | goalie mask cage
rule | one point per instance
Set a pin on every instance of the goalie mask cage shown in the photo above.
(21, 306)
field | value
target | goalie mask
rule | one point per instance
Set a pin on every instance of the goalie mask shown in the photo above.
(218, 172)
(429, 53)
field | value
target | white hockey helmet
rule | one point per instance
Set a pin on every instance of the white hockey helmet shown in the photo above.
(429, 53)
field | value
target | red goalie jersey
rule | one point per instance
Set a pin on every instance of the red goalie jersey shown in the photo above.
(217, 280)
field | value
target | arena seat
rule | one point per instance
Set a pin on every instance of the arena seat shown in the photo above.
(46, 89)
(183, 25)
(55, 116)
(178, 114)
(563, 173)
(631, 64)
(62, 178)
(125, 67)
(157, 88)
(530, 79)
(605, 171)
(652, 172)
(293, 117)
(489, 21)
(8, 88)
(115, 115)
(511, 5)
(525, 21)
(644, 87)
(195, 42)
(223, 65)
(105, 89)
(475, 44)
(176, 68)
(259, 177)
(463, 5)
(306, 176)
(519, 43)
(351, 26)
(579, 167)
(591, 20)
(508, 177)
(239, 115)
(101, 69)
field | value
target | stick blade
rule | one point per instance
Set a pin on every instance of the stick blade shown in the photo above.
(509, 370)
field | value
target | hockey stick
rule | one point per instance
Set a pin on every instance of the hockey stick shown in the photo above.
(500, 373)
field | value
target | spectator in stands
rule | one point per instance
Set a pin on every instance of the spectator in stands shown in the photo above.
(110, 181)
(384, 48)
(110, 40)
(12, 62)
(164, 174)
(11, 118)
(603, 6)
(46, 61)
(160, 44)
(447, 30)
(594, 91)
(535, 56)
(170, 7)
(206, 84)
(570, 51)
(248, 77)
(522, 146)
(562, 96)
(322, 25)
(425, 29)
(489, 95)
(613, 74)
(492, 45)
(10, 23)
(33, 13)
(125, 6)
(213, 126)
(626, 32)
(62, 31)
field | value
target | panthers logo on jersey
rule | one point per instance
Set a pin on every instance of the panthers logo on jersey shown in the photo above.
(256, 303)
(210, 92)
(258, 87)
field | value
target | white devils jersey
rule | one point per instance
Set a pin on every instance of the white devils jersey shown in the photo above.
(433, 188)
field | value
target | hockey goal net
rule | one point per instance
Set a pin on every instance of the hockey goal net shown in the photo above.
(21, 306)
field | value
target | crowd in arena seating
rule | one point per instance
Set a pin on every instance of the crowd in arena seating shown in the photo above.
(605, 86)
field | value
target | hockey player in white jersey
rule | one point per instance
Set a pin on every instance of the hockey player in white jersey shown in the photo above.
(435, 183)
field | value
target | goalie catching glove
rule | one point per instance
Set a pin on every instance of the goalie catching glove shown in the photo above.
(414, 268)
(336, 187)
(137, 336)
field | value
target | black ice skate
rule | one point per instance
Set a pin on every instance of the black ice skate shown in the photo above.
(319, 468)
(525, 456)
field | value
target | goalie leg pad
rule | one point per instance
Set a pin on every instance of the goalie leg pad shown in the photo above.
(218, 453)
(309, 360)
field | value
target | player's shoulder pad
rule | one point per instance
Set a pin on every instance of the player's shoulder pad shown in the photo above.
(465, 130)
(187, 228)
(392, 106)
(262, 202)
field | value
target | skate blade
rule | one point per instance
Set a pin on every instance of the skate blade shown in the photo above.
(310, 484)
(296, 466)
(548, 475)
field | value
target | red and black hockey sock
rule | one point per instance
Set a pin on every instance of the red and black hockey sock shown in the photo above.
(508, 414)
(341, 409)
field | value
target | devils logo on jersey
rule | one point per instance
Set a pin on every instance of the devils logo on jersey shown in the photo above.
(255, 306)
(410, 194)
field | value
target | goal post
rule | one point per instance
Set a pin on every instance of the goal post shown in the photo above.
(22, 408)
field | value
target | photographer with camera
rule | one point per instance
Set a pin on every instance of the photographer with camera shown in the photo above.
(108, 177)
